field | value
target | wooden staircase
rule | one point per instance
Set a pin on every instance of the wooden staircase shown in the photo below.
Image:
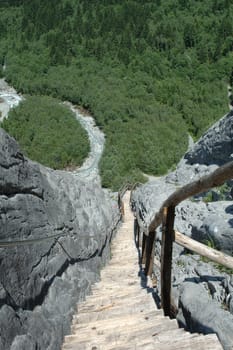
(121, 313)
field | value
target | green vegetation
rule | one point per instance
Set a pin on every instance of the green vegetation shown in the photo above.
(208, 197)
(224, 269)
(48, 132)
(180, 263)
(219, 267)
(210, 243)
(220, 193)
(149, 71)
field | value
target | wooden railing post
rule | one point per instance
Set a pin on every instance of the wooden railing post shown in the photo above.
(136, 232)
(150, 253)
(144, 243)
(166, 258)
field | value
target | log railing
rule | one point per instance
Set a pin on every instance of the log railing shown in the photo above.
(145, 234)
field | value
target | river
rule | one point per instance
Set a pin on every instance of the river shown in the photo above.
(9, 98)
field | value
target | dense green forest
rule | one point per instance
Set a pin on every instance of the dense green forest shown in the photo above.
(48, 132)
(150, 72)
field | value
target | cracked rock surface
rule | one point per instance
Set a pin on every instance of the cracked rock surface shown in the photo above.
(41, 282)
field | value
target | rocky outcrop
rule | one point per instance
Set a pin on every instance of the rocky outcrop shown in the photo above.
(212, 320)
(216, 227)
(216, 145)
(41, 282)
(213, 149)
(202, 291)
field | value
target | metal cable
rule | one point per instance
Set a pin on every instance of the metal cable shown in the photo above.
(4, 244)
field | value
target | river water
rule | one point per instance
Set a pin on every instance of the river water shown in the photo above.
(9, 98)
(90, 167)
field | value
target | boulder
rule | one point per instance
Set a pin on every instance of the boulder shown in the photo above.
(198, 312)
(23, 342)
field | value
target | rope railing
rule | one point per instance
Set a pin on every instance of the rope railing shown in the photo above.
(24, 242)
(6, 244)
(146, 234)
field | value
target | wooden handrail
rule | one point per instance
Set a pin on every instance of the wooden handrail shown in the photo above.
(216, 178)
(166, 215)
(203, 250)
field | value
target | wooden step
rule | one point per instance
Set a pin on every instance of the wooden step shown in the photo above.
(109, 298)
(99, 306)
(121, 300)
(191, 344)
(112, 311)
(103, 338)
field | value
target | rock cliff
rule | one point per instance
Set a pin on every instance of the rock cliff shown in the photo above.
(41, 282)
(202, 292)
(215, 146)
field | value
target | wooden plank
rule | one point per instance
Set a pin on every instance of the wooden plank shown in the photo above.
(216, 178)
(203, 250)
(166, 258)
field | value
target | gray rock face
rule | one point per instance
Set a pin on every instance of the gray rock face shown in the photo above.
(213, 320)
(146, 204)
(41, 283)
(186, 173)
(213, 149)
(216, 227)
(216, 145)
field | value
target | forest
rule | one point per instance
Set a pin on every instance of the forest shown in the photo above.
(48, 132)
(150, 72)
